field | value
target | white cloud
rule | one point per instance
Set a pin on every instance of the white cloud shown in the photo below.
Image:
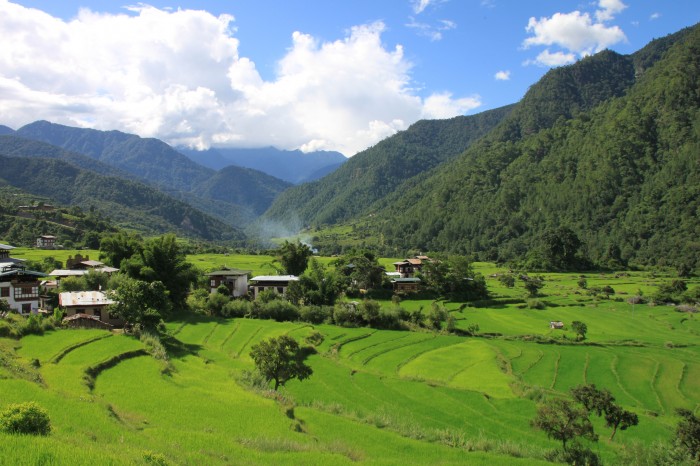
(419, 6)
(177, 75)
(576, 33)
(609, 9)
(502, 75)
(433, 31)
(655, 16)
(442, 105)
(547, 58)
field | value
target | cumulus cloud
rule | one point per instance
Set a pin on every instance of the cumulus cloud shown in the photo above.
(443, 105)
(576, 33)
(609, 9)
(177, 75)
(502, 75)
(654, 16)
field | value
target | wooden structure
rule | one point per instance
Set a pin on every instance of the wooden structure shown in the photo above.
(91, 303)
(46, 242)
(235, 280)
(406, 285)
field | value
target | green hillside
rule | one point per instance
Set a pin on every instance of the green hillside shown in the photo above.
(378, 171)
(128, 204)
(624, 176)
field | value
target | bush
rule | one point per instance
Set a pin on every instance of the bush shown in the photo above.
(25, 418)
(277, 309)
(236, 308)
(316, 314)
(535, 304)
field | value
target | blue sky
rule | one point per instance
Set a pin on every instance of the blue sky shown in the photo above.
(332, 75)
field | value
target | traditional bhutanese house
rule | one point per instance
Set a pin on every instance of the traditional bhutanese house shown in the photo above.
(235, 280)
(277, 283)
(406, 285)
(46, 242)
(19, 287)
(91, 303)
(556, 325)
(409, 267)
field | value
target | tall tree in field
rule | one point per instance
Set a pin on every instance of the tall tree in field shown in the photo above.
(688, 433)
(116, 247)
(162, 260)
(280, 359)
(564, 421)
(294, 257)
(602, 402)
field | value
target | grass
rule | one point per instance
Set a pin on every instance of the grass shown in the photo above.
(375, 397)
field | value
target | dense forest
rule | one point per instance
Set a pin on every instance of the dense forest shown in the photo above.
(606, 148)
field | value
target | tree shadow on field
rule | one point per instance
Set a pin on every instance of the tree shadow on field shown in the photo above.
(177, 349)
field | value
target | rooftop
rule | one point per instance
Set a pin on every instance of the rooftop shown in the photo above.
(83, 298)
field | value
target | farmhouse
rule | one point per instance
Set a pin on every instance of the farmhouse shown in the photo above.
(46, 242)
(235, 280)
(20, 287)
(406, 285)
(277, 283)
(556, 325)
(78, 266)
(90, 303)
(407, 268)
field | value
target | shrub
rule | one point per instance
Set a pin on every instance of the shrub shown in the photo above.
(25, 418)
(316, 314)
(535, 304)
(236, 308)
(277, 309)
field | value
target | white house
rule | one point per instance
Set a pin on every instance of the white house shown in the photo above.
(277, 283)
(235, 280)
(90, 303)
(18, 286)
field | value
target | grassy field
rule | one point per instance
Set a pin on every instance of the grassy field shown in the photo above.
(375, 397)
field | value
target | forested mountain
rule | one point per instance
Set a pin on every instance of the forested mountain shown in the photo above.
(129, 204)
(115, 153)
(5, 130)
(376, 172)
(149, 159)
(291, 166)
(623, 173)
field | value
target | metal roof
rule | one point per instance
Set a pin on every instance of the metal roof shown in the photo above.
(229, 272)
(274, 278)
(84, 298)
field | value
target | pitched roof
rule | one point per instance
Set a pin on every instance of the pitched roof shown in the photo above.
(406, 280)
(275, 278)
(6, 246)
(228, 272)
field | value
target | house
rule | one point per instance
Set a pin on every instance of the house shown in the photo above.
(46, 242)
(406, 285)
(407, 268)
(78, 266)
(277, 283)
(90, 303)
(86, 321)
(18, 286)
(235, 280)
(556, 325)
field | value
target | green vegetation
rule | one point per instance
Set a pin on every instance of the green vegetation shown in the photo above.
(25, 418)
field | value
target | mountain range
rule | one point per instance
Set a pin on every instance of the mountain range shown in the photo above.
(607, 147)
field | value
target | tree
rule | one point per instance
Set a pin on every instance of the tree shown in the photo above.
(564, 421)
(316, 286)
(116, 247)
(161, 259)
(559, 248)
(280, 359)
(579, 329)
(142, 304)
(294, 257)
(453, 276)
(25, 418)
(533, 286)
(602, 402)
(688, 433)
(359, 271)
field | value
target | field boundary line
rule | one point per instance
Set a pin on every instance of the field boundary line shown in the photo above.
(376, 355)
(556, 371)
(230, 335)
(91, 372)
(206, 338)
(653, 383)
(420, 353)
(585, 368)
(64, 352)
(613, 369)
(250, 338)
(377, 344)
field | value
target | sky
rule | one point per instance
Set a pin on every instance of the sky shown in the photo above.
(312, 75)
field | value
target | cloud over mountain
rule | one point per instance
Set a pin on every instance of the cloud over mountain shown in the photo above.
(178, 75)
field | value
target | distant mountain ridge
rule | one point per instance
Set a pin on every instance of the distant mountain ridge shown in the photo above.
(293, 166)
(128, 203)
(152, 161)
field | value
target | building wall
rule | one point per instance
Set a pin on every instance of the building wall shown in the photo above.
(97, 310)
(23, 297)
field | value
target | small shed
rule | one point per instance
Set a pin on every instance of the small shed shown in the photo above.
(86, 321)
(556, 325)
(406, 285)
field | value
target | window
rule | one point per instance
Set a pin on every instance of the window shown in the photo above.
(26, 308)
(5, 292)
(280, 290)
(213, 283)
(97, 313)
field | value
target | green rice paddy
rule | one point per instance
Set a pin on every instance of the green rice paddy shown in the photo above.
(375, 397)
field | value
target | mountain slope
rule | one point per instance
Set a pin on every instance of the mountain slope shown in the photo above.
(130, 204)
(377, 171)
(291, 166)
(624, 175)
